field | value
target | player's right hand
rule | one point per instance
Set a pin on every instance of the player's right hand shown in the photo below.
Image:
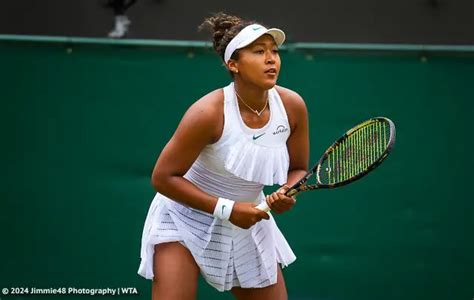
(245, 215)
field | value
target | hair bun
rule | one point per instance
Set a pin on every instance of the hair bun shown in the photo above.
(224, 28)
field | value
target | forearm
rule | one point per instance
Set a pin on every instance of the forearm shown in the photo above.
(294, 176)
(182, 190)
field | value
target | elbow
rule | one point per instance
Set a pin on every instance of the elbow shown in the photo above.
(165, 181)
(158, 181)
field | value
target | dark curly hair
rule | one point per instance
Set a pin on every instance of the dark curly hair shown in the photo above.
(224, 28)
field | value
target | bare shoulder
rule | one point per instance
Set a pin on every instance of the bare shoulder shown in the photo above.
(289, 97)
(209, 104)
(294, 104)
(207, 114)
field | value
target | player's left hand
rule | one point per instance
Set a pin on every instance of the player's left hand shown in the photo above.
(279, 202)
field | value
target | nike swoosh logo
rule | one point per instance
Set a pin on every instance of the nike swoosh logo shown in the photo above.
(256, 137)
(223, 207)
(257, 28)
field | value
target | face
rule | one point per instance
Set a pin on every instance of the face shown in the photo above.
(259, 63)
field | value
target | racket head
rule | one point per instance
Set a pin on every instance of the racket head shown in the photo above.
(359, 151)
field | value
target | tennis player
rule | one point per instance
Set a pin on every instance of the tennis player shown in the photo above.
(210, 175)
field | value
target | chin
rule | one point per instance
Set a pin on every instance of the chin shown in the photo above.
(268, 84)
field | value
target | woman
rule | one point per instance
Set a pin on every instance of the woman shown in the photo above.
(210, 176)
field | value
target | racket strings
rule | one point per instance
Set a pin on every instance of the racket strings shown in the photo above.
(355, 153)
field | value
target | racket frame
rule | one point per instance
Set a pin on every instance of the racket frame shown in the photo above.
(300, 185)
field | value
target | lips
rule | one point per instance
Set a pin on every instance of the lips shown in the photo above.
(271, 71)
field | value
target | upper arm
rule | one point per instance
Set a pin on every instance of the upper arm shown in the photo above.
(201, 125)
(298, 141)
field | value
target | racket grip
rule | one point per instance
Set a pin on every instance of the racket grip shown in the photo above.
(263, 206)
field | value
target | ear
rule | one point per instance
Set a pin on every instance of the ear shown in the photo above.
(233, 66)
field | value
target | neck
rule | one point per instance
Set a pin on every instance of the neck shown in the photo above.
(254, 96)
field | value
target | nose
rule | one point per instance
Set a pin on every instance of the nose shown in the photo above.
(270, 59)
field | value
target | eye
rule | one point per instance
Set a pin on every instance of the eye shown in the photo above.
(276, 51)
(260, 51)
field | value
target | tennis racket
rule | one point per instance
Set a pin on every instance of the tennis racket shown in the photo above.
(359, 151)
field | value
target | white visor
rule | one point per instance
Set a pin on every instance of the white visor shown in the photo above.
(248, 35)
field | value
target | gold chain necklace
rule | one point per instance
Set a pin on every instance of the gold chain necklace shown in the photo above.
(253, 110)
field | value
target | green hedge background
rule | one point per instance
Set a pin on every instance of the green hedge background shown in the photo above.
(82, 125)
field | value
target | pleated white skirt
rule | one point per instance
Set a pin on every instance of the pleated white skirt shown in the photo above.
(228, 256)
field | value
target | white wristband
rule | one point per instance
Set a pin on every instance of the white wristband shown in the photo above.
(223, 208)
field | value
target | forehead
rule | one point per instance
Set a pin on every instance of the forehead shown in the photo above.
(264, 40)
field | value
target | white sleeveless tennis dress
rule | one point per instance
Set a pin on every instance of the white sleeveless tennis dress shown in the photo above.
(236, 167)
